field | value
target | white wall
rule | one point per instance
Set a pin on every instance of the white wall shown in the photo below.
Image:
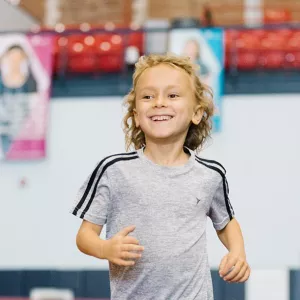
(259, 146)
(13, 18)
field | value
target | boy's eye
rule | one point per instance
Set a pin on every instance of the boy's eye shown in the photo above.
(172, 96)
(147, 97)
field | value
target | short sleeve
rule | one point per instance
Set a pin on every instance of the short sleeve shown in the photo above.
(221, 211)
(93, 198)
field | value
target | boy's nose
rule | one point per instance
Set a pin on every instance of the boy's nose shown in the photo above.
(160, 101)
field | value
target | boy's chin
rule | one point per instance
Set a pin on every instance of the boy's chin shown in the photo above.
(161, 137)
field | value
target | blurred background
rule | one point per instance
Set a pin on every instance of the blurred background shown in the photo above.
(65, 66)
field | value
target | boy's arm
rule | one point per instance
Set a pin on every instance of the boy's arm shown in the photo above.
(231, 237)
(233, 267)
(88, 241)
(117, 250)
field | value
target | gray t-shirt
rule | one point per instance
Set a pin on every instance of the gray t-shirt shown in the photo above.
(169, 207)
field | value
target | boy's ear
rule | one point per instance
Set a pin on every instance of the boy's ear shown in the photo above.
(136, 119)
(198, 114)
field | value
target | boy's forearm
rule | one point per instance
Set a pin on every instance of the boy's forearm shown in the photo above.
(232, 238)
(89, 243)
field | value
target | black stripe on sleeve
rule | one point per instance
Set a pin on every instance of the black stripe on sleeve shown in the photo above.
(92, 179)
(227, 186)
(103, 170)
(212, 162)
(227, 202)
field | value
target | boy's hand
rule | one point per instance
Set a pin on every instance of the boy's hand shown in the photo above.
(234, 268)
(118, 249)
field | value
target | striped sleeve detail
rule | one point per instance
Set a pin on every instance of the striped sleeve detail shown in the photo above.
(213, 165)
(211, 162)
(90, 189)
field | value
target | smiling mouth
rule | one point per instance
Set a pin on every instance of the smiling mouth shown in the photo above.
(161, 118)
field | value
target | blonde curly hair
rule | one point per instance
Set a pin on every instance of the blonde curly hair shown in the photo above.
(197, 134)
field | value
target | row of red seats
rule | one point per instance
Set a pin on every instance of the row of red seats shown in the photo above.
(83, 53)
(269, 49)
(284, 39)
(248, 60)
(244, 49)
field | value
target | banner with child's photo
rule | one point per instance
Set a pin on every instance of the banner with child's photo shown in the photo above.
(25, 78)
(205, 48)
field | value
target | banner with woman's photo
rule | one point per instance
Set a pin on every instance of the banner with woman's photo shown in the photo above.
(204, 47)
(25, 78)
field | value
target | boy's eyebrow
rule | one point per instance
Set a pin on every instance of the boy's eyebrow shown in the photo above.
(150, 87)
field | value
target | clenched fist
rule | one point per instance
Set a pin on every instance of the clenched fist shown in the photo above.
(234, 268)
(122, 249)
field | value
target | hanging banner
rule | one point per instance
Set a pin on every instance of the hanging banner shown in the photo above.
(25, 79)
(204, 47)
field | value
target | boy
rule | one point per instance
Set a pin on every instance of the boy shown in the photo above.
(155, 200)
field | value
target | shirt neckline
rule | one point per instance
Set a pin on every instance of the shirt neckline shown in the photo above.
(168, 170)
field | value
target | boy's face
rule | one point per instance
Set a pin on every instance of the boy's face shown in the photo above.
(165, 104)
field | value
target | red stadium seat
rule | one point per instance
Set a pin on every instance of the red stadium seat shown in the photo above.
(274, 40)
(230, 38)
(293, 43)
(81, 44)
(293, 59)
(81, 64)
(110, 63)
(297, 60)
(272, 59)
(81, 54)
(275, 59)
(136, 39)
(248, 41)
(296, 34)
(260, 33)
(110, 52)
(287, 33)
(115, 42)
(247, 60)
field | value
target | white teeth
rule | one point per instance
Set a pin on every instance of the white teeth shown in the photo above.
(160, 118)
